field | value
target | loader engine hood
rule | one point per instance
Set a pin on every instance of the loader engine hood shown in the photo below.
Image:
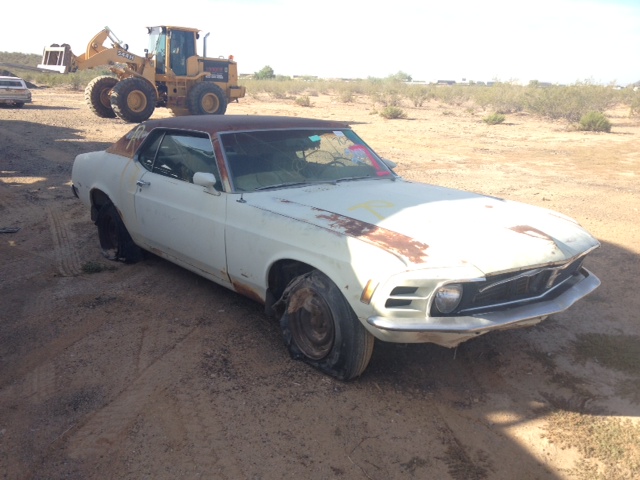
(431, 226)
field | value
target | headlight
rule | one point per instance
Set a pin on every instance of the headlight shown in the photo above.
(447, 297)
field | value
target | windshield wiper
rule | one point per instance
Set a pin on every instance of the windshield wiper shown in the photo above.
(282, 185)
(349, 179)
(368, 177)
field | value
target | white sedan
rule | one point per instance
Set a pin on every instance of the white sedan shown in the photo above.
(302, 216)
(14, 92)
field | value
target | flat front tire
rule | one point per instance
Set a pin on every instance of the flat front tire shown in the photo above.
(320, 328)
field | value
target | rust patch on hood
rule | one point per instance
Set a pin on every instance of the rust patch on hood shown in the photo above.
(401, 245)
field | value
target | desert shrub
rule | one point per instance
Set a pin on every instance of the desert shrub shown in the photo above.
(570, 102)
(278, 88)
(451, 95)
(370, 87)
(345, 92)
(277, 91)
(595, 122)
(392, 113)
(388, 94)
(303, 101)
(290, 86)
(390, 99)
(419, 94)
(358, 87)
(634, 105)
(77, 82)
(346, 96)
(502, 97)
(494, 119)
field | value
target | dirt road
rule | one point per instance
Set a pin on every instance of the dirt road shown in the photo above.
(147, 371)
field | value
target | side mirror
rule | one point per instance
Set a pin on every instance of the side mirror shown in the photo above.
(206, 180)
(389, 163)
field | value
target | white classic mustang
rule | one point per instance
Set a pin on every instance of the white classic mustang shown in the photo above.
(302, 216)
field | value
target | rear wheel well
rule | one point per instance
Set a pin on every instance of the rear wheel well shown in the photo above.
(98, 200)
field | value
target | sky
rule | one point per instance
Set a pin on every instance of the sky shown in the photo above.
(556, 41)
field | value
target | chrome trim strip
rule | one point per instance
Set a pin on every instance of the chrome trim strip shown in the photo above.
(529, 273)
(515, 302)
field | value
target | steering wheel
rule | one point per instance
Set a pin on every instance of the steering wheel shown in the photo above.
(335, 162)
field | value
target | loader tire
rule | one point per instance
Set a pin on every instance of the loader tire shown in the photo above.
(97, 96)
(133, 99)
(206, 98)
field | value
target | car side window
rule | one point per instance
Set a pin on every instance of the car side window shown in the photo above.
(12, 84)
(179, 155)
(148, 152)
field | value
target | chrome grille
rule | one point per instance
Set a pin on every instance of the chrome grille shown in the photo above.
(520, 287)
(508, 289)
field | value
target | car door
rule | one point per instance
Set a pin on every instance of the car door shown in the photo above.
(177, 219)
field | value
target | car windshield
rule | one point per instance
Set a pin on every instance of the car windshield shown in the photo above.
(290, 158)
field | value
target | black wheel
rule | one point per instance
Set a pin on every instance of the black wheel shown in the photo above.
(206, 98)
(19, 104)
(114, 238)
(133, 99)
(97, 96)
(321, 329)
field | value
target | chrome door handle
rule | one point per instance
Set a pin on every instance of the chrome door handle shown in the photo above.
(142, 183)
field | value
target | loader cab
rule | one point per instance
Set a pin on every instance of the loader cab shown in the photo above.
(172, 47)
(158, 48)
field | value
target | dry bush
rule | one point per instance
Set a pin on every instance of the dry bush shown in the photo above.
(392, 113)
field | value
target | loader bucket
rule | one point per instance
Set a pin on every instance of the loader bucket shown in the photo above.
(56, 58)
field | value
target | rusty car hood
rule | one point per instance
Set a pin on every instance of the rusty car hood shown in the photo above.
(431, 226)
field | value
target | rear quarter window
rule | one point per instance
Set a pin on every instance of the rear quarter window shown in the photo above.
(12, 84)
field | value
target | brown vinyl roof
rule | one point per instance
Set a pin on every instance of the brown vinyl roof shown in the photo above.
(213, 124)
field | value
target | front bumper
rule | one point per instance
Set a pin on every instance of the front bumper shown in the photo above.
(452, 331)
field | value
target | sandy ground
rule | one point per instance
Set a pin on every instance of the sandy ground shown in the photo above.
(147, 371)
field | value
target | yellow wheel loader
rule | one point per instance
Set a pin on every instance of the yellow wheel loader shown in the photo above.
(170, 74)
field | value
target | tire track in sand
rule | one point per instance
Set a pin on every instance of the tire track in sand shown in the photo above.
(197, 433)
(67, 259)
